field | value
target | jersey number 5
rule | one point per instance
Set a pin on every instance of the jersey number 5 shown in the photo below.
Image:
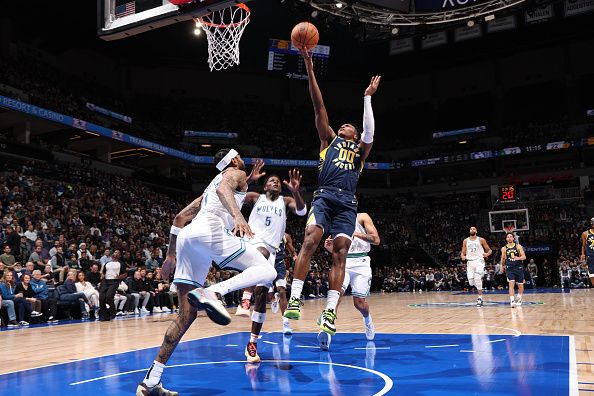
(267, 222)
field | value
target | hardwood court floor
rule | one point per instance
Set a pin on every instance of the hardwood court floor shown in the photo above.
(409, 313)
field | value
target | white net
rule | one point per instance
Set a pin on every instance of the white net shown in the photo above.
(223, 30)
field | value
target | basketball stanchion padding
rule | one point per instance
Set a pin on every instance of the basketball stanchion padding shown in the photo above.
(224, 29)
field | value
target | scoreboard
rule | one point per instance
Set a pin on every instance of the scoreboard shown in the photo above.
(507, 193)
(284, 57)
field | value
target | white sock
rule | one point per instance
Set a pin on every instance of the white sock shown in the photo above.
(285, 320)
(296, 288)
(253, 338)
(249, 277)
(153, 375)
(511, 298)
(247, 295)
(367, 320)
(333, 296)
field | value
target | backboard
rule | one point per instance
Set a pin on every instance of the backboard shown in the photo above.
(501, 220)
(117, 19)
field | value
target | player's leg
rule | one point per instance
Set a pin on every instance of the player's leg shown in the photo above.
(151, 385)
(311, 240)
(246, 298)
(259, 314)
(361, 285)
(248, 259)
(470, 274)
(318, 221)
(281, 286)
(478, 280)
(520, 282)
(512, 286)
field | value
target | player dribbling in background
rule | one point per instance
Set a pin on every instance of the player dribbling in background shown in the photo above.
(512, 256)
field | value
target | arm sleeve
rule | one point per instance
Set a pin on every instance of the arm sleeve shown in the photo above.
(368, 121)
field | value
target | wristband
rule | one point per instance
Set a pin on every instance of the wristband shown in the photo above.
(301, 212)
(174, 230)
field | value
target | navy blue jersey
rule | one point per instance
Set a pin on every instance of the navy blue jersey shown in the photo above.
(590, 244)
(510, 254)
(340, 165)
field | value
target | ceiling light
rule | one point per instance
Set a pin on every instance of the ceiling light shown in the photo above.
(197, 32)
(470, 23)
(339, 5)
(395, 31)
(314, 14)
(489, 17)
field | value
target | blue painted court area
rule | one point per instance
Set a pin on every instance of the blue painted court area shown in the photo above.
(393, 364)
(548, 290)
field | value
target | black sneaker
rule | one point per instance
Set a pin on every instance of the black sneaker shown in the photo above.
(13, 323)
(251, 353)
(293, 310)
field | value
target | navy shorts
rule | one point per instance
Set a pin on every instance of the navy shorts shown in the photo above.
(515, 273)
(279, 266)
(335, 211)
(590, 261)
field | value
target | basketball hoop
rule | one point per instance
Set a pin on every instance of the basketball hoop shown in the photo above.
(509, 229)
(223, 30)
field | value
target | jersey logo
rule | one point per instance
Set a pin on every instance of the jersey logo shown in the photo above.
(348, 151)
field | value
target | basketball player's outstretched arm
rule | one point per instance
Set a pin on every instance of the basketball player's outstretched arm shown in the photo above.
(368, 120)
(234, 180)
(295, 204)
(371, 236)
(181, 219)
(325, 133)
(290, 247)
(503, 253)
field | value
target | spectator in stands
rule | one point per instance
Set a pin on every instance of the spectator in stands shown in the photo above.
(48, 275)
(58, 263)
(36, 258)
(70, 294)
(533, 272)
(82, 286)
(21, 306)
(25, 248)
(121, 298)
(12, 239)
(163, 300)
(24, 288)
(565, 276)
(17, 270)
(72, 262)
(7, 258)
(93, 275)
(9, 306)
(113, 272)
(85, 258)
(29, 268)
(106, 258)
(48, 305)
(152, 263)
(136, 289)
(31, 235)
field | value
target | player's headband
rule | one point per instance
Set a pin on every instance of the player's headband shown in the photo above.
(227, 159)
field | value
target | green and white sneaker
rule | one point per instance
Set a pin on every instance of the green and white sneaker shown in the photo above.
(293, 310)
(326, 321)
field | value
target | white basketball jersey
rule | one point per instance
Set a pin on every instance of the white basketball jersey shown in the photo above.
(268, 220)
(359, 245)
(474, 249)
(212, 204)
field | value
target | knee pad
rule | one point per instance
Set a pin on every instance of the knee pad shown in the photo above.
(258, 317)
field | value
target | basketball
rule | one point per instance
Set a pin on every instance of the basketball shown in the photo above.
(305, 36)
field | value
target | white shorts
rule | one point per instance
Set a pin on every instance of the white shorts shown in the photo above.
(206, 240)
(257, 243)
(476, 266)
(358, 275)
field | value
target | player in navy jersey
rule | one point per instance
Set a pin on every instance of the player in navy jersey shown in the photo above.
(588, 248)
(334, 207)
(512, 256)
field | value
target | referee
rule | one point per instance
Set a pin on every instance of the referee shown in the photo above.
(112, 272)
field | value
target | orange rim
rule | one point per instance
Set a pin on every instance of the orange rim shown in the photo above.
(225, 25)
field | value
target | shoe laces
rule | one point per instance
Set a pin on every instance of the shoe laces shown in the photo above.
(252, 349)
(296, 301)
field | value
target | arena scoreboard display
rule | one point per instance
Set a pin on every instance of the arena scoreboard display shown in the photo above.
(507, 193)
(284, 57)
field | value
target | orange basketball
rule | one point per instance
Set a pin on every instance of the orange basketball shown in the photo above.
(305, 35)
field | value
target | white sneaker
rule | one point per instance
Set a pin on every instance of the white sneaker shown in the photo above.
(287, 328)
(35, 314)
(370, 331)
(119, 313)
(157, 310)
(324, 340)
(136, 311)
(23, 323)
(207, 300)
(144, 311)
(165, 309)
(274, 305)
(513, 304)
(519, 301)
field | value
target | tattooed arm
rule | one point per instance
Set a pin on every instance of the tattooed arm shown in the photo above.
(234, 180)
(181, 219)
